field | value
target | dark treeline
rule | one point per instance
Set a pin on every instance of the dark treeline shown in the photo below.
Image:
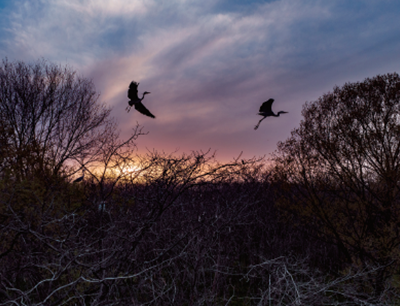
(315, 225)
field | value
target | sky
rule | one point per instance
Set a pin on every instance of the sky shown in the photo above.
(209, 64)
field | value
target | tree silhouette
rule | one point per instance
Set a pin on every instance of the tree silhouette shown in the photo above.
(341, 169)
(54, 115)
(167, 229)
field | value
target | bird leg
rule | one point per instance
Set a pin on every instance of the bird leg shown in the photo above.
(258, 124)
(128, 108)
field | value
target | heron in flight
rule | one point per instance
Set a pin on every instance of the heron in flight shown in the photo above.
(266, 111)
(135, 100)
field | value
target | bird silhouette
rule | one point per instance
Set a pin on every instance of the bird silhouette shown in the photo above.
(135, 100)
(266, 111)
(80, 179)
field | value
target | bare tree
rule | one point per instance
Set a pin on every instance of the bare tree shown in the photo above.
(54, 115)
(175, 230)
(163, 229)
(341, 171)
(67, 250)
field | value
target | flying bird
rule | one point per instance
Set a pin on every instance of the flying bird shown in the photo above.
(135, 100)
(266, 111)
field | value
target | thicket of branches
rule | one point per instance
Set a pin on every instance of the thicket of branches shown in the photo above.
(340, 170)
(162, 229)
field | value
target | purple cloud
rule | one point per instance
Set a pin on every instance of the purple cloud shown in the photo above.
(209, 65)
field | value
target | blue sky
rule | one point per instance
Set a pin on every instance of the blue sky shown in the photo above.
(209, 64)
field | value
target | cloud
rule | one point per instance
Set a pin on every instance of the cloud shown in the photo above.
(209, 64)
(108, 9)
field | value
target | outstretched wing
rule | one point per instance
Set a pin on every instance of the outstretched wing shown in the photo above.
(142, 109)
(133, 91)
(266, 107)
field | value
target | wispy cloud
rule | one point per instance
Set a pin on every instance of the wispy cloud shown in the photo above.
(209, 64)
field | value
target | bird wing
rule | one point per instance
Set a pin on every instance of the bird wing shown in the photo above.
(266, 106)
(133, 91)
(78, 180)
(142, 109)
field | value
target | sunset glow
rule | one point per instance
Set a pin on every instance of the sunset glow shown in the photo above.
(208, 64)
